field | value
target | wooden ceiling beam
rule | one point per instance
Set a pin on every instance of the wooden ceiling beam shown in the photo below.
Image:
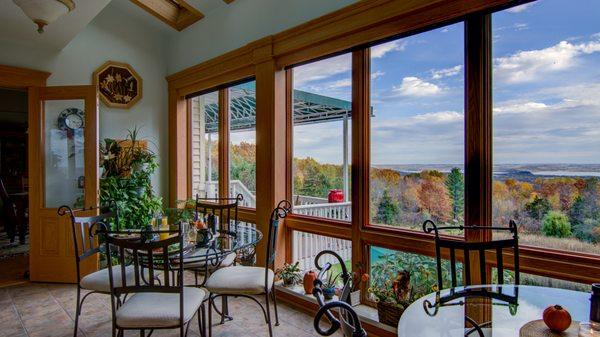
(176, 13)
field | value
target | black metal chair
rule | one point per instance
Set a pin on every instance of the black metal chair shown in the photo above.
(480, 247)
(348, 320)
(153, 305)
(85, 246)
(497, 246)
(221, 211)
(244, 281)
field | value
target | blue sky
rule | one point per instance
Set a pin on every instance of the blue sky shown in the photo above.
(546, 91)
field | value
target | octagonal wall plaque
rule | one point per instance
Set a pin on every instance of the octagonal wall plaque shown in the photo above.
(118, 84)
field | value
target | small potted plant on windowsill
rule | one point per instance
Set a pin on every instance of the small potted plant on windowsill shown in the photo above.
(393, 297)
(290, 274)
(358, 279)
(329, 286)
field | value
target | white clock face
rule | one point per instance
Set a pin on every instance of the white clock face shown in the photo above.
(74, 121)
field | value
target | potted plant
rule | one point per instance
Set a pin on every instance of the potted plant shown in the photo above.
(393, 297)
(329, 286)
(358, 279)
(290, 274)
(126, 180)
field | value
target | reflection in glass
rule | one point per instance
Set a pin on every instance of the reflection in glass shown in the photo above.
(205, 145)
(64, 153)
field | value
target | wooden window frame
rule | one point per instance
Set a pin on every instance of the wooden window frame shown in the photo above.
(354, 29)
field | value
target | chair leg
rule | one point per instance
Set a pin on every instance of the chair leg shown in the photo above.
(196, 278)
(275, 305)
(269, 314)
(77, 311)
(224, 309)
(209, 322)
(202, 321)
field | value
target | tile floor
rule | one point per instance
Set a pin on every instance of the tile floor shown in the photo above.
(47, 310)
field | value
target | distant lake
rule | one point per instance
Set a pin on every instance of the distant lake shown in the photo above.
(566, 173)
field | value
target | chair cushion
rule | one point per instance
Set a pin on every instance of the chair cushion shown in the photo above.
(239, 280)
(228, 260)
(159, 310)
(98, 281)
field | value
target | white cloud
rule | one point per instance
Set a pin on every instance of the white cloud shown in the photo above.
(527, 66)
(340, 84)
(518, 107)
(379, 51)
(520, 26)
(438, 117)
(377, 74)
(520, 8)
(322, 69)
(437, 74)
(414, 86)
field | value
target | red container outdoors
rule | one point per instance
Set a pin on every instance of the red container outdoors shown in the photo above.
(335, 196)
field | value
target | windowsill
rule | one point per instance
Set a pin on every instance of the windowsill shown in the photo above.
(366, 313)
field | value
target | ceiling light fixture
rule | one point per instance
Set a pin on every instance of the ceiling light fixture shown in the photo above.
(44, 12)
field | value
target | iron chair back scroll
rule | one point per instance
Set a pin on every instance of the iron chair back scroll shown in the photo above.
(348, 319)
(221, 210)
(85, 244)
(479, 247)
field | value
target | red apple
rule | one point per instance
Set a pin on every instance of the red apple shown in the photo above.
(557, 318)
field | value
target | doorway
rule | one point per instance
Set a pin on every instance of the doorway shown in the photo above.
(14, 186)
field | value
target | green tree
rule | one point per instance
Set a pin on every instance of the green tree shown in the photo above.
(316, 183)
(455, 184)
(538, 208)
(387, 210)
(556, 224)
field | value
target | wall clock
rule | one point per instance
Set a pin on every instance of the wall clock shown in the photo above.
(71, 119)
(118, 84)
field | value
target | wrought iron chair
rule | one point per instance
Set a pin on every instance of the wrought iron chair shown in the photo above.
(348, 320)
(85, 246)
(244, 281)
(221, 211)
(480, 247)
(497, 246)
(152, 305)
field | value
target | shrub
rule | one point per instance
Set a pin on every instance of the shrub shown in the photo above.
(556, 224)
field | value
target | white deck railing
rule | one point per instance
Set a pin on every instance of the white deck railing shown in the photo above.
(306, 246)
(338, 211)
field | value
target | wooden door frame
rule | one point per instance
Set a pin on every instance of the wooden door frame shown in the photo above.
(23, 79)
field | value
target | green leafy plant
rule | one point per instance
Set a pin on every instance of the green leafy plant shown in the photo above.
(290, 274)
(126, 180)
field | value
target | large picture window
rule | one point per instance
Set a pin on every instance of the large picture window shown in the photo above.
(417, 129)
(205, 144)
(242, 137)
(546, 114)
(322, 110)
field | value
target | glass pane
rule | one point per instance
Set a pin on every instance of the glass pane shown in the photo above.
(546, 82)
(64, 153)
(321, 139)
(416, 274)
(242, 150)
(417, 129)
(306, 246)
(537, 280)
(205, 145)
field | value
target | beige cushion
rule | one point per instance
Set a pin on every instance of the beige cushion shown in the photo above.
(159, 310)
(239, 280)
(200, 265)
(98, 281)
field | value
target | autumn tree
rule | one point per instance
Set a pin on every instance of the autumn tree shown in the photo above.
(456, 190)
(433, 198)
(387, 210)
(538, 208)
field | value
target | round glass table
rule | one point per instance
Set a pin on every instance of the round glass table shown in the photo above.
(218, 245)
(499, 311)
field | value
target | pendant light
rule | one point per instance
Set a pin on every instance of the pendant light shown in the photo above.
(44, 12)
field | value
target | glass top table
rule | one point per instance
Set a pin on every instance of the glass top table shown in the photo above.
(221, 244)
(500, 311)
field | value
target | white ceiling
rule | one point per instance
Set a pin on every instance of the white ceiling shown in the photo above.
(17, 28)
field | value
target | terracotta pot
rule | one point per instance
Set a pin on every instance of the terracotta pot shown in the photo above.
(308, 281)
